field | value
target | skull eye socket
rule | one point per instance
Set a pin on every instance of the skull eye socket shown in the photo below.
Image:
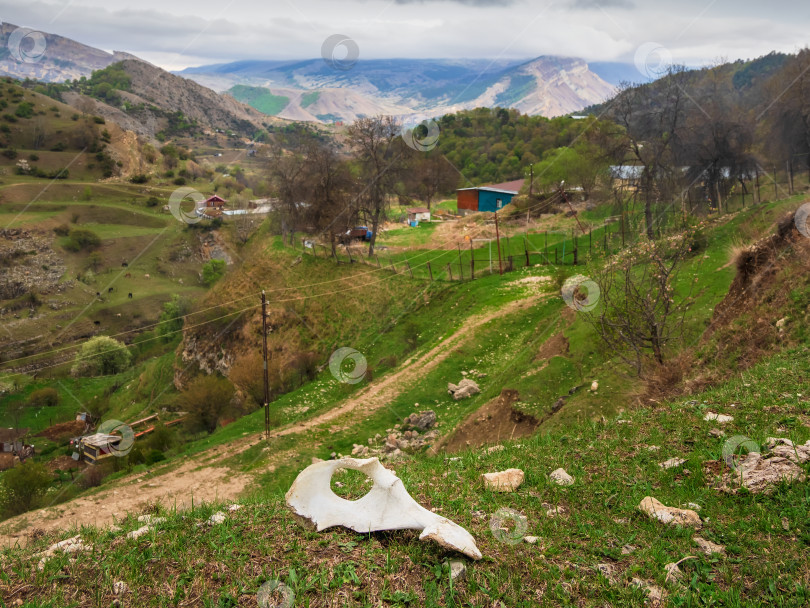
(350, 484)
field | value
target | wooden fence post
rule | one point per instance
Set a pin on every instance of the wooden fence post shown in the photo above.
(408, 264)
(378, 261)
(450, 272)
(430, 272)
(526, 251)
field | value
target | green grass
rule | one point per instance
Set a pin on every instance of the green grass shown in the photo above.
(307, 99)
(613, 468)
(260, 98)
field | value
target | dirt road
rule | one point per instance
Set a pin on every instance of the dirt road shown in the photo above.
(199, 479)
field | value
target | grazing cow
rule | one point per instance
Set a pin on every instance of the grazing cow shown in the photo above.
(130, 295)
(110, 290)
(118, 314)
(98, 293)
(128, 275)
(146, 276)
(96, 322)
(124, 264)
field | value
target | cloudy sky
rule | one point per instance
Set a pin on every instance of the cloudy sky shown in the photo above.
(181, 33)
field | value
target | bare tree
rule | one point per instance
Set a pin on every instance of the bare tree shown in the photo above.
(288, 173)
(652, 116)
(430, 174)
(245, 221)
(639, 313)
(379, 157)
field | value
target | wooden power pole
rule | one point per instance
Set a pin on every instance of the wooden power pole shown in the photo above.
(498, 239)
(266, 377)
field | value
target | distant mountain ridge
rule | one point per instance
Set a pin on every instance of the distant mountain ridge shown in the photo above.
(62, 59)
(548, 86)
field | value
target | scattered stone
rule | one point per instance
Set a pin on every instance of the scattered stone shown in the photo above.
(69, 545)
(465, 388)
(503, 481)
(785, 524)
(628, 549)
(719, 418)
(785, 448)
(561, 478)
(669, 515)
(139, 532)
(554, 511)
(692, 505)
(674, 574)
(717, 433)
(120, 588)
(495, 448)
(151, 519)
(217, 518)
(653, 448)
(655, 595)
(708, 547)
(479, 514)
(532, 540)
(114, 529)
(234, 507)
(760, 475)
(594, 386)
(607, 571)
(458, 569)
(672, 463)
(423, 421)
(780, 324)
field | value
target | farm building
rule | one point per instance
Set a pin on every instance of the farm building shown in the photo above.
(487, 198)
(11, 440)
(92, 448)
(215, 202)
(418, 214)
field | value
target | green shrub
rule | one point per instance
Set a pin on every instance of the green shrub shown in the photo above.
(101, 356)
(212, 271)
(152, 201)
(24, 110)
(44, 397)
(81, 239)
(23, 487)
(139, 178)
(62, 230)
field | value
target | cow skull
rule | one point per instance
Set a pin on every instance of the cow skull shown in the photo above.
(387, 506)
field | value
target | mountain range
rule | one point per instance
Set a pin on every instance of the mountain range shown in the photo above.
(313, 90)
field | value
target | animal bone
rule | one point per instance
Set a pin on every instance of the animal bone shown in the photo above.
(387, 506)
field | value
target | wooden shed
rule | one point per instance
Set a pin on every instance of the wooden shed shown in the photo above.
(418, 214)
(487, 198)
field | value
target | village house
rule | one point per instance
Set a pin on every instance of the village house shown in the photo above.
(487, 198)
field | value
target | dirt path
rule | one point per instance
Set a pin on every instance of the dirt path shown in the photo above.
(201, 480)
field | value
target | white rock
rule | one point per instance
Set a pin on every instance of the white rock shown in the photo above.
(139, 532)
(594, 386)
(120, 588)
(532, 540)
(151, 519)
(719, 418)
(233, 508)
(708, 547)
(503, 481)
(669, 515)
(561, 478)
(387, 506)
(458, 569)
(217, 518)
(555, 511)
(671, 463)
(495, 448)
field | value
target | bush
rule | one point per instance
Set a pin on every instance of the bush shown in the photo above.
(101, 356)
(139, 178)
(33, 157)
(206, 399)
(62, 230)
(80, 239)
(152, 201)
(23, 487)
(58, 147)
(98, 120)
(44, 397)
(24, 110)
(212, 271)
(171, 319)
(179, 181)
(10, 153)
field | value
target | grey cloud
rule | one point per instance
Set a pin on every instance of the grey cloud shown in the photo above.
(592, 4)
(477, 3)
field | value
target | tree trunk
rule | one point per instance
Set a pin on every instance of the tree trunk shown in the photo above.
(375, 223)
(648, 217)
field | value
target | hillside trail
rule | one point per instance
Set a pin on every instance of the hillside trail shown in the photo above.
(204, 477)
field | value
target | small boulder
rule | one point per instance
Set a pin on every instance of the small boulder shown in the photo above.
(465, 388)
(718, 418)
(458, 569)
(216, 518)
(532, 540)
(671, 463)
(120, 588)
(669, 515)
(561, 478)
(503, 481)
(594, 386)
(708, 547)
(422, 421)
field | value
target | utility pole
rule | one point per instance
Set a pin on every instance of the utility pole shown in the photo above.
(498, 239)
(266, 378)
